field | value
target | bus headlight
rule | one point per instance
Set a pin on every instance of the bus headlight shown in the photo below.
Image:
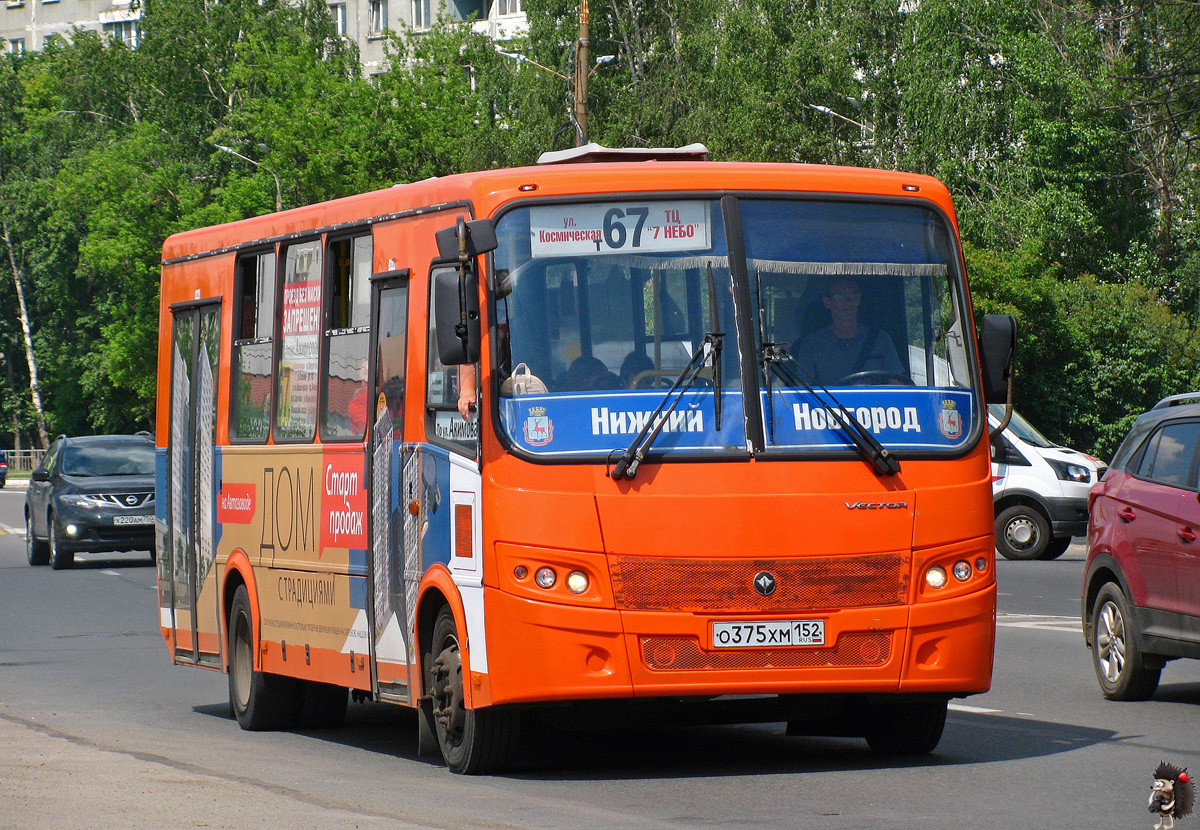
(962, 571)
(577, 582)
(935, 577)
(545, 577)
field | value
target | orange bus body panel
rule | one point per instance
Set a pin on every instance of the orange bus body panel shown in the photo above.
(631, 635)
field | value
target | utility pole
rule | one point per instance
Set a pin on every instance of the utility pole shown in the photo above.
(581, 73)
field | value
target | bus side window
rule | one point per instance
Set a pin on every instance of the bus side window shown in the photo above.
(299, 370)
(347, 339)
(443, 423)
(250, 413)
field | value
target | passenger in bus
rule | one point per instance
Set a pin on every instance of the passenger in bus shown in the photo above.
(633, 365)
(844, 351)
(587, 373)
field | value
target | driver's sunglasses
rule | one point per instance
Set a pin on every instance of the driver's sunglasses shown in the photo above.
(845, 296)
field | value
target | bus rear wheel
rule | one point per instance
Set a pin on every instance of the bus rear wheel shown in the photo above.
(906, 727)
(472, 741)
(259, 701)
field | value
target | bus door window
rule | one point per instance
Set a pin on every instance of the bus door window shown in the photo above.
(347, 334)
(444, 424)
(250, 410)
(299, 371)
(391, 355)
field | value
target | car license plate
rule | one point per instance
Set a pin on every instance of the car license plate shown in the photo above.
(768, 633)
(133, 520)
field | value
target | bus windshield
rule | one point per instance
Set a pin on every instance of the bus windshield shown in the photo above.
(854, 308)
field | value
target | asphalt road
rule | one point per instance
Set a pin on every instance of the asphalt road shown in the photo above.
(98, 729)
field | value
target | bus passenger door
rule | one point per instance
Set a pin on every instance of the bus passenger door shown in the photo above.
(391, 610)
(193, 474)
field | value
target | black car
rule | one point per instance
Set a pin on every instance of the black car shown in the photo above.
(93, 493)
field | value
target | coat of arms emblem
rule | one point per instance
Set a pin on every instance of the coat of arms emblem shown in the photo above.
(950, 420)
(539, 429)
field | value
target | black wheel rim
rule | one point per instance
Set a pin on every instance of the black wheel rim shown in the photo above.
(449, 708)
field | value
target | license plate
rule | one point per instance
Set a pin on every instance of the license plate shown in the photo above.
(133, 520)
(768, 634)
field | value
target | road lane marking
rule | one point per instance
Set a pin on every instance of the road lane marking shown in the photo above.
(974, 710)
(14, 531)
(1042, 622)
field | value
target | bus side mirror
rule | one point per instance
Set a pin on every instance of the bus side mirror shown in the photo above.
(456, 314)
(468, 239)
(997, 356)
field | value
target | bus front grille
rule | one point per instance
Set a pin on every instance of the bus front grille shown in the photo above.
(644, 583)
(861, 649)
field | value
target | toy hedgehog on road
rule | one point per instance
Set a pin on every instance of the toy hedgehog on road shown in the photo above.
(1173, 796)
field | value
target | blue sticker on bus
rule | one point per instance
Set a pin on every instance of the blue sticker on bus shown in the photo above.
(596, 423)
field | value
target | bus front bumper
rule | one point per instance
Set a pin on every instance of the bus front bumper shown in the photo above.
(541, 651)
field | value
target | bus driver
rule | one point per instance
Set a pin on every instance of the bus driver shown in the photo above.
(843, 349)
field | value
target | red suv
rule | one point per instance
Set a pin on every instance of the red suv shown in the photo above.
(1141, 585)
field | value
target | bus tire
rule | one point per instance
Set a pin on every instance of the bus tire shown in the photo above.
(427, 742)
(260, 701)
(906, 727)
(472, 741)
(322, 705)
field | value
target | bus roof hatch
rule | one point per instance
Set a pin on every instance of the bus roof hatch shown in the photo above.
(594, 152)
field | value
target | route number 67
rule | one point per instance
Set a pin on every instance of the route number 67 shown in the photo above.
(616, 233)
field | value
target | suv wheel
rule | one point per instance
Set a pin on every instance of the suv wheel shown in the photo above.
(1022, 532)
(1120, 665)
(60, 557)
(36, 551)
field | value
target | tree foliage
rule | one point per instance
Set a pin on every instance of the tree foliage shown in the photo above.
(1066, 131)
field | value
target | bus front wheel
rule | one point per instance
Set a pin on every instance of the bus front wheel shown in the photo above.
(906, 727)
(472, 741)
(259, 701)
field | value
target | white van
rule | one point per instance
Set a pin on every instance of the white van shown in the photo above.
(1039, 490)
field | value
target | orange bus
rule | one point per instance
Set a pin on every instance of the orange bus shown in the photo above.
(624, 429)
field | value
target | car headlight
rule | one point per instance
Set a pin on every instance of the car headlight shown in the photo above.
(1070, 472)
(85, 502)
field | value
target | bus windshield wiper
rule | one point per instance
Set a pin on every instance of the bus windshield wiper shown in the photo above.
(773, 357)
(635, 453)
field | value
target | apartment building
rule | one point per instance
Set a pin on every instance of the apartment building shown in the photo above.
(31, 24)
